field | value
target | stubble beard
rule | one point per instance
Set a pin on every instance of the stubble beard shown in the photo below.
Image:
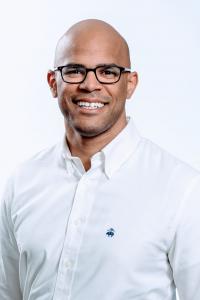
(92, 130)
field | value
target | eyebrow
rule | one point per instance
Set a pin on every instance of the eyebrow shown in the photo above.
(74, 65)
(83, 66)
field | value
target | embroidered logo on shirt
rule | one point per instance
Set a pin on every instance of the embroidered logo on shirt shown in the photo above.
(110, 232)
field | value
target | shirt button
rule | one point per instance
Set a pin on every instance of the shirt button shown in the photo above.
(79, 221)
(67, 264)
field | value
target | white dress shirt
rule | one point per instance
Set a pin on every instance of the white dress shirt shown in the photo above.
(127, 229)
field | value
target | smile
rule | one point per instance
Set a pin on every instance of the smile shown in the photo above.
(90, 105)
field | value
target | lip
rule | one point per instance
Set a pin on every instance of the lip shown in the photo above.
(86, 111)
(89, 100)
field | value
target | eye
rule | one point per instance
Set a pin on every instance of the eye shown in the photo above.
(73, 71)
(109, 72)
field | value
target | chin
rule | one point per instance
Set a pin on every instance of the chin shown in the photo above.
(90, 131)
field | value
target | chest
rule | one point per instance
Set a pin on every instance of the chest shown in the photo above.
(119, 220)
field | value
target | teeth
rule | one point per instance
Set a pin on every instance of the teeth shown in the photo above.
(89, 105)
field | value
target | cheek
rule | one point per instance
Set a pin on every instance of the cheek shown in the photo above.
(119, 93)
(65, 90)
(64, 96)
(123, 89)
(63, 100)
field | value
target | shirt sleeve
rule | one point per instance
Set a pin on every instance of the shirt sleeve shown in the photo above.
(184, 254)
(9, 254)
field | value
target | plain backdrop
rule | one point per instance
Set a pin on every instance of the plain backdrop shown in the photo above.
(164, 39)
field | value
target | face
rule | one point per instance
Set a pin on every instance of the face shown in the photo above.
(109, 116)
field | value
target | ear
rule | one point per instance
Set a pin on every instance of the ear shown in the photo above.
(52, 83)
(132, 82)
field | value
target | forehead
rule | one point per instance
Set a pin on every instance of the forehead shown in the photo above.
(91, 50)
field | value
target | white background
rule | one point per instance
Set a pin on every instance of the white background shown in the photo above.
(165, 48)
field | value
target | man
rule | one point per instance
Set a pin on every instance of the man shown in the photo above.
(105, 214)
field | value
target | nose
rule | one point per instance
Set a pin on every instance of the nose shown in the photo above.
(90, 83)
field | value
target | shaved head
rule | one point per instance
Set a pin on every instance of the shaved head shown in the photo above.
(92, 31)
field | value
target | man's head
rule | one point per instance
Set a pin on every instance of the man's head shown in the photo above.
(89, 44)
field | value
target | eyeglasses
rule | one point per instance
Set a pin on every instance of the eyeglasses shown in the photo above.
(107, 74)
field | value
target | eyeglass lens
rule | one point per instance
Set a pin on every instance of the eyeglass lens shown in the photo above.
(107, 74)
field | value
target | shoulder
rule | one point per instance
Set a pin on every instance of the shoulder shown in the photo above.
(36, 168)
(40, 159)
(160, 158)
(174, 179)
(164, 169)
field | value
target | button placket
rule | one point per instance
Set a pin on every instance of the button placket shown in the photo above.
(75, 231)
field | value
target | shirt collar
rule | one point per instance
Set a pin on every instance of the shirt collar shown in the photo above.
(73, 162)
(121, 148)
(114, 154)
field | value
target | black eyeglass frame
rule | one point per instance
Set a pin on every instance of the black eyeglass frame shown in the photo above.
(122, 70)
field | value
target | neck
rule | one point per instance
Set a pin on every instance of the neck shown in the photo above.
(85, 147)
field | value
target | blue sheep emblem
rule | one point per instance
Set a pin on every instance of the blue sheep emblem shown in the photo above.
(110, 232)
